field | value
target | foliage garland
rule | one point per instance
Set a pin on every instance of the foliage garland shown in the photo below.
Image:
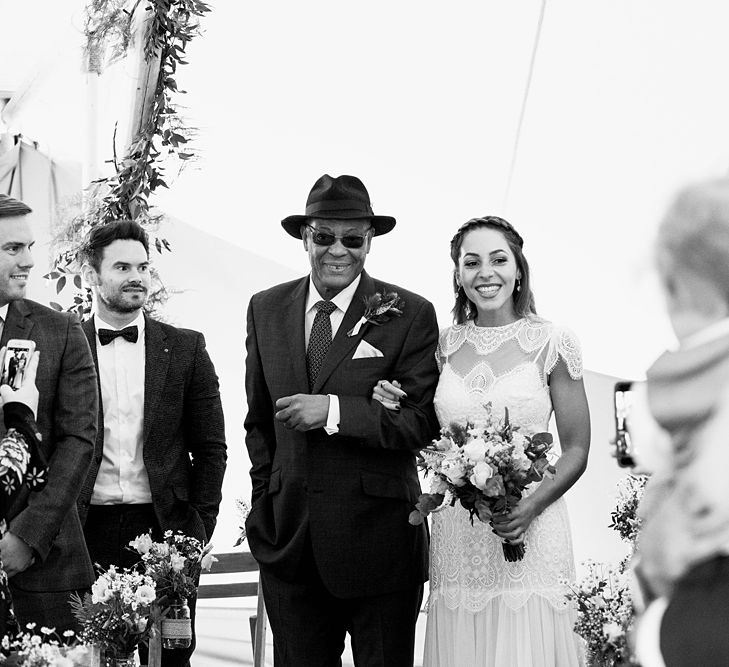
(171, 26)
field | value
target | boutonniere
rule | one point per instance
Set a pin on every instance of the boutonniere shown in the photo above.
(379, 308)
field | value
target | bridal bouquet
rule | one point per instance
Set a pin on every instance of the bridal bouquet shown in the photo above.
(486, 465)
(115, 614)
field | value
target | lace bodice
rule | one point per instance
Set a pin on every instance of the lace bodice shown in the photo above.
(508, 366)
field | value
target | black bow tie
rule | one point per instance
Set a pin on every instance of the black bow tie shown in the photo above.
(128, 333)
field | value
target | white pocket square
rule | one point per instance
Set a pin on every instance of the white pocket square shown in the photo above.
(365, 350)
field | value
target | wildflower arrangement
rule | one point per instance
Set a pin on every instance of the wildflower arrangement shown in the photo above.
(115, 614)
(46, 649)
(605, 611)
(486, 466)
(174, 564)
(624, 518)
(602, 597)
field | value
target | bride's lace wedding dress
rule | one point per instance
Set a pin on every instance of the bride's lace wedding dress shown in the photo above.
(484, 611)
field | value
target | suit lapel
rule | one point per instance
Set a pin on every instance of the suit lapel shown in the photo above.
(156, 363)
(343, 344)
(89, 328)
(18, 323)
(293, 324)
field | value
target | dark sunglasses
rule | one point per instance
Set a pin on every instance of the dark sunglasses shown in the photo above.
(327, 238)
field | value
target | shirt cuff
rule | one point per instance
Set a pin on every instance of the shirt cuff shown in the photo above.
(332, 425)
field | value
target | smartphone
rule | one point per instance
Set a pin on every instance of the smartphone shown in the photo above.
(16, 359)
(623, 403)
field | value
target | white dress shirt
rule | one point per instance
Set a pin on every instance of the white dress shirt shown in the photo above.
(122, 477)
(342, 301)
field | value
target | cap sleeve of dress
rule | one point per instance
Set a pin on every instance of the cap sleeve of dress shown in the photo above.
(440, 351)
(564, 344)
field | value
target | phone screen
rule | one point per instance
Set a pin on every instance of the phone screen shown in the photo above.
(623, 404)
(14, 363)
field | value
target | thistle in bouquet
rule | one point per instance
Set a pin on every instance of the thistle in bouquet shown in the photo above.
(115, 614)
(45, 649)
(486, 466)
(604, 614)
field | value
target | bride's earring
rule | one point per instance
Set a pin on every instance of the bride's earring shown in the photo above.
(518, 285)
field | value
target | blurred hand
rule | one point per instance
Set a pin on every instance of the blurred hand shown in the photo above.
(389, 394)
(17, 555)
(28, 392)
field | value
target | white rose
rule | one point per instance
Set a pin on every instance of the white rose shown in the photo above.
(100, 591)
(145, 594)
(482, 472)
(454, 470)
(177, 562)
(475, 450)
(207, 561)
(142, 544)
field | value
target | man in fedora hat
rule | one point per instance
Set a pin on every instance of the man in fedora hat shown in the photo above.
(333, 471)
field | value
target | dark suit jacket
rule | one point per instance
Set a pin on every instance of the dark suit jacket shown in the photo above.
(67, 409)
(184, 434)
(352, 491)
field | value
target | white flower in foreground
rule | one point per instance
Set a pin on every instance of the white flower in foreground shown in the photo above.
(207, 561)
(142, 544)
(145, 594)
(454, 469)
(177, 562)
(475, 450)
(482, 472)
(100, 591)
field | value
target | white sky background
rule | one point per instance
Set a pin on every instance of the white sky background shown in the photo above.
(628, 101)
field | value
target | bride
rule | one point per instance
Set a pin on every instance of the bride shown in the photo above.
(484, 611)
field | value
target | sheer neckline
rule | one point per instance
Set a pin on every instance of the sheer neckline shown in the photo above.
(502, 327)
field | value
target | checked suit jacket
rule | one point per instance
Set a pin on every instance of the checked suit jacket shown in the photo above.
(184, 449)
(351, 492)
(67, 408)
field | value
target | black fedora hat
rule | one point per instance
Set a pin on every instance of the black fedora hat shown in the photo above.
(340, 198)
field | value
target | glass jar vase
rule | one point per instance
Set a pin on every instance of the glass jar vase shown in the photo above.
(176, 626)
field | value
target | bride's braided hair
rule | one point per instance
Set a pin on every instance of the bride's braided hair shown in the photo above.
(464, 309)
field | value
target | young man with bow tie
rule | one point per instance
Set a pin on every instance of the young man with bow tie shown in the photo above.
(160, 453)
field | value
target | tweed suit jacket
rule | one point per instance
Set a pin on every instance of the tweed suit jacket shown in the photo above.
(184, 448)
(47, 520)
(353, 491)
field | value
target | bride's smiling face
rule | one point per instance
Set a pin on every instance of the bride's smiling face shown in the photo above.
(488, 272)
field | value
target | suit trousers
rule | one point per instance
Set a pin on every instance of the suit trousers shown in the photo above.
(108, 531)
(309, 624)
(695, 626)
(50, 609)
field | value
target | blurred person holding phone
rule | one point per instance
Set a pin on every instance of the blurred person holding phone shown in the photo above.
(23, 465)
(680, 435)
(43, 550)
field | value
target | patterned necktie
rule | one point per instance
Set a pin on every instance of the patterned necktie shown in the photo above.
(320, 340)
(128, 333)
